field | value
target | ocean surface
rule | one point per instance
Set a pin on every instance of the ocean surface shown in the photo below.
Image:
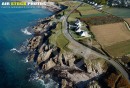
(14, 70)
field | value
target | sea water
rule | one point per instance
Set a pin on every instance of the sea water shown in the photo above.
(14, 22)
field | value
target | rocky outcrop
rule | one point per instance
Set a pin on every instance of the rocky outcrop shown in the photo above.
(95, 66)
(47, 66)
(31, 57)
(69, 59)
(93, 84)
(34, 43)
(66, 84)
(71, 70)
(78, 77)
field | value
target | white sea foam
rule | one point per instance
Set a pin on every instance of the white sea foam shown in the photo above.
(25, 31)
(31, 69)
(25, 43)
(49, 84)
(15, 50)
(34, 76)
(25, 60)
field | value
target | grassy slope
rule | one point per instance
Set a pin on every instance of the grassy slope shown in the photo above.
(57, 38)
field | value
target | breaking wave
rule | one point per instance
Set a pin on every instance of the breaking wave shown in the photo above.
(15, 50)
(22, 48)
(47, 83)
(26, 31)
(25, 60)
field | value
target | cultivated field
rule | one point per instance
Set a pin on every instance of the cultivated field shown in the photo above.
(109, 34)
(85, 10)
(99, 19)
(128, 20)
(119, 49)
(115, 38)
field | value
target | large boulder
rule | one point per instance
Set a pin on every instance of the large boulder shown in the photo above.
(69, 59)
(93, 84)
(46, 47)
(42, 48)
(47, 66)
(44, 56)
(66, 84)
(31, 57)
(39, 59)
(34, 43)
(48, 54)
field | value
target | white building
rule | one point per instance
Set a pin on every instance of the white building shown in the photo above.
(95, 4)
(79, 23)
(100, 9)
(85, 34)
(79, 30)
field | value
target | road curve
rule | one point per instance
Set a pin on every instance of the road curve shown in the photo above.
(85, 51)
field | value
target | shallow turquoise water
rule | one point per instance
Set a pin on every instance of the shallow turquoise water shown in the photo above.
(13, 71)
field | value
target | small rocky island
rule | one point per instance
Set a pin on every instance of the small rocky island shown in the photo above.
(68, 69)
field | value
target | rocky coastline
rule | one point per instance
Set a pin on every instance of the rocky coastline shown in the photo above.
(67, 69)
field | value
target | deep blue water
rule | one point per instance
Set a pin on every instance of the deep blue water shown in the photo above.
(13, 71)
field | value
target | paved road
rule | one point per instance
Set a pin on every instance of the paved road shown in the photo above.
(85, 51)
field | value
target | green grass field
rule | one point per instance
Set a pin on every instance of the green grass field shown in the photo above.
(119, 49)
(85, 7)
(55, 33)
(62, 42)
(86, 11)
(57, 38)
(74, 35)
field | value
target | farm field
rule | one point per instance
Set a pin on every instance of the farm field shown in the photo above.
(120, 12)
(114, 38)
(84, 11)
(101, 19)
(128, 20)
(119, 49)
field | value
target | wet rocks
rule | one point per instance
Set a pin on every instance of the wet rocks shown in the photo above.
(34, 43)
(94, 84)
(31, 57)
(66, 84)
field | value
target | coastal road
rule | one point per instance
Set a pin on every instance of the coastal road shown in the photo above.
(86, 51)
